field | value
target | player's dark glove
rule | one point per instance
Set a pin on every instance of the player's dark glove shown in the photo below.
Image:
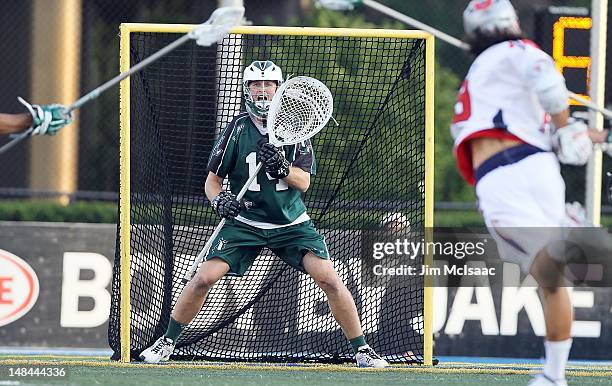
(274, 162)
(226, 205)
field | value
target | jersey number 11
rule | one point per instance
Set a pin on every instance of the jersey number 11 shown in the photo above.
(251, 160)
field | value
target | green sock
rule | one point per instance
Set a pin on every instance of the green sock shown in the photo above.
(174, 329)
(358, 342)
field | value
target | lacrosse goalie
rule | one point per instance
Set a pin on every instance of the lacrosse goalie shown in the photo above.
(272, 214)
(511, 129)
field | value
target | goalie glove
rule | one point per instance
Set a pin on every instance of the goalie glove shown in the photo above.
(274, 161)
(575, 216)
(47, 119)
(572, 143)
(227, 206)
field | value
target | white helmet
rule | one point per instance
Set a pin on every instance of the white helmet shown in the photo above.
(260, 70)
(489, 17)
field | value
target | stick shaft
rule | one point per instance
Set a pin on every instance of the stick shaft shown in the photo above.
(189, 275)
(605, 112)
(220, 19)
(249, 182)
(144, 63)
(413, 22)
(20, 137)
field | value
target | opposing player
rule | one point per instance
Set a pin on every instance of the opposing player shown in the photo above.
(46, 119)
(510, 118)
(272, 214)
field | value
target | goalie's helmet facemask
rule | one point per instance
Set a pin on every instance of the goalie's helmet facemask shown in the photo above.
(488, 22)
(258, 98)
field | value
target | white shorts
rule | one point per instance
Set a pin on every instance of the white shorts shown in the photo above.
(528, 193)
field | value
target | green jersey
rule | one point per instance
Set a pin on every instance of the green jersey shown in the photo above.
(235, 157)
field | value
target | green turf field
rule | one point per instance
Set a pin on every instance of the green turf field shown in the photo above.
(100, 371)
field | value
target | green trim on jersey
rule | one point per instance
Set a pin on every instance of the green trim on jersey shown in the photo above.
(235, 156)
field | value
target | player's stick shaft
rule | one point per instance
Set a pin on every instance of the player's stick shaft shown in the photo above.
(462, 45)
(223, 19)
(413, 22)
(605, 112)
(93, 94)
(194, 266)
(18, 138)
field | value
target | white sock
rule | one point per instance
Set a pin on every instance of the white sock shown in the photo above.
(556, 358)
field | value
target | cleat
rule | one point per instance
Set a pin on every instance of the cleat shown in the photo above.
(160, 351)
(367, 357)
(543, 380)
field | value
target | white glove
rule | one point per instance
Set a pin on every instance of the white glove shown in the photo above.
(572, 143)
(575, 216)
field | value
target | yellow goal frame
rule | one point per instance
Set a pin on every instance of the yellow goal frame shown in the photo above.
(124, 140)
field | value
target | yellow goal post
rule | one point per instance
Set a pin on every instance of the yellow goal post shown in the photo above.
(126, 226)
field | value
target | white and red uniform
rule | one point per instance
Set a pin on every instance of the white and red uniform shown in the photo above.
(522, 186)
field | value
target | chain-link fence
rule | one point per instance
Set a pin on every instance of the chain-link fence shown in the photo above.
(97, 146)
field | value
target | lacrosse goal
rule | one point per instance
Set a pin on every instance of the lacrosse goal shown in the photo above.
(379, 160)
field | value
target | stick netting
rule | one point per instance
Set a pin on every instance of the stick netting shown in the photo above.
(370, 166)
(302, 107)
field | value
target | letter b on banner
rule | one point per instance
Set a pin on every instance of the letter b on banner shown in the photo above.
(74, 288)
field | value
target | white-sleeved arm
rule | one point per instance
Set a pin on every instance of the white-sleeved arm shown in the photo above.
(544, 79)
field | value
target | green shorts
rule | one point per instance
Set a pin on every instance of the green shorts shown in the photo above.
(238, 244)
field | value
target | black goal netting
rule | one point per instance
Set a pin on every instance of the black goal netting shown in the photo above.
(370, 167)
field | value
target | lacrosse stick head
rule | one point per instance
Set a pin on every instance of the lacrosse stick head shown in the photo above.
(217, 26)
(301, 107)
(338, 5)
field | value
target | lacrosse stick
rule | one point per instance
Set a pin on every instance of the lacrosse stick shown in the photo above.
(300, 108)
(206, 34)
